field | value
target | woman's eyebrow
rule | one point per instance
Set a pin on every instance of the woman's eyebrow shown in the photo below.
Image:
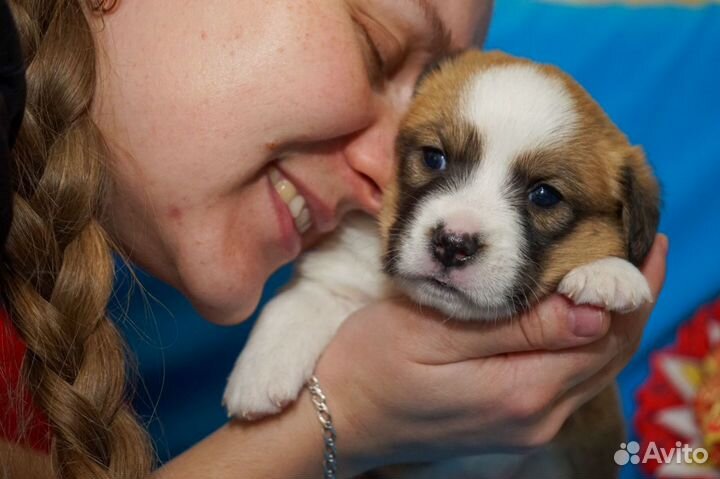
(440, 37)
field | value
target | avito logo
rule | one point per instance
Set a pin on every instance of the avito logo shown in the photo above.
(680, 454)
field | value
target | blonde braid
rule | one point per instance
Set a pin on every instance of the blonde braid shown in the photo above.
(59, 272)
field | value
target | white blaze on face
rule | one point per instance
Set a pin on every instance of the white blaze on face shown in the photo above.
(516, 109)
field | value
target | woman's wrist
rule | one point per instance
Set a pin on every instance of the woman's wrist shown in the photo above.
(317, 396)
(288, 445)
(351, 451)
(358, 448)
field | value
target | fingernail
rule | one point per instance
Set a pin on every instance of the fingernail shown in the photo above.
(586, 321)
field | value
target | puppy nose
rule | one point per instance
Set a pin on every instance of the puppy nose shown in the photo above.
(453, 249)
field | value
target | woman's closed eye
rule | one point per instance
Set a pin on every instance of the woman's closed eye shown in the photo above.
(383, 49)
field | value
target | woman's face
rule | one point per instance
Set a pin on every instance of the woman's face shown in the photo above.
(204, 102)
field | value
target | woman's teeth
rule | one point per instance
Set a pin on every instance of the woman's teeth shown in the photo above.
(294, 200)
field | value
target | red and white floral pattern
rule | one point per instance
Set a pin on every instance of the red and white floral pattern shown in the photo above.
(680, 401)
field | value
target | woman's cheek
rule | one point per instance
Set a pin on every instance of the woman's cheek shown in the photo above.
(315, 86)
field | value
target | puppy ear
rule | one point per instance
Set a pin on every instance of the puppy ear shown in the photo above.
(641, 205)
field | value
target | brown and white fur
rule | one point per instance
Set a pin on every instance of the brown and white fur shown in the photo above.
(470, 240)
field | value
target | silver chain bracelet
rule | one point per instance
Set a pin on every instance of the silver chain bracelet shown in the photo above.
(329, 435)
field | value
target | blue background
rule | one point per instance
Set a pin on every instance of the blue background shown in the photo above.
(656, 71)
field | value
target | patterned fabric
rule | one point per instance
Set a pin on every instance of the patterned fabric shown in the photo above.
(681, 401)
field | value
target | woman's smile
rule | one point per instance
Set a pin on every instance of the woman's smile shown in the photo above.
(293, 213)
(246, 193)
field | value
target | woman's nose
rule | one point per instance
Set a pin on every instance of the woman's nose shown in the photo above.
(371, 152)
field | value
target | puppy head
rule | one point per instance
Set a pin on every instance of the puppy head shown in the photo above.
(509, 176)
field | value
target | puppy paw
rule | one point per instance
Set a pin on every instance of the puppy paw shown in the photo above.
(283, 349)
(611, 283)
(263, 385)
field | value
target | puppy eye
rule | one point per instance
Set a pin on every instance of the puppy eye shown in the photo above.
(434, 159)
(544, 196)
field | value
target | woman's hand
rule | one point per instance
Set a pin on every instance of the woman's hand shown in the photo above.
(404, 384)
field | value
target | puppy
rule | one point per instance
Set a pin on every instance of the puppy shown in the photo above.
(512, 183)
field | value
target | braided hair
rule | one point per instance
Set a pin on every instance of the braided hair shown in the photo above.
(57, 274)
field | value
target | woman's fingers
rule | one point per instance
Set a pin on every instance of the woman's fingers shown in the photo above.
(562, 381)
(654, 269)
(553, 324)
(541, 380)
(626, 331)
(655, 265)
(614, 350)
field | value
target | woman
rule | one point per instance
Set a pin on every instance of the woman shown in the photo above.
(151, 127)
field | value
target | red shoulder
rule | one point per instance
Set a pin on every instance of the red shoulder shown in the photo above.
(20, 421)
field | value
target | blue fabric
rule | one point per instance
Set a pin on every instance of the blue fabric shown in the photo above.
(656, 72)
